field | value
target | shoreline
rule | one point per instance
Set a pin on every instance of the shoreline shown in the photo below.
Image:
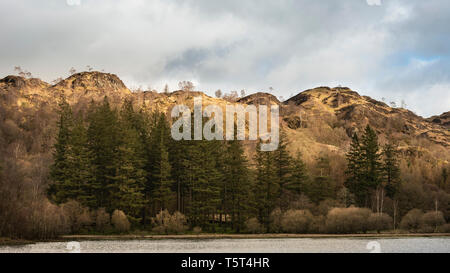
(250, 236)
(66, 238)
(14, 242)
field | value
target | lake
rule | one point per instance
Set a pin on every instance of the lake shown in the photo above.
(281, 245)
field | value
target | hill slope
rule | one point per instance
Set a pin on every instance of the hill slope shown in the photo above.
(317, 121)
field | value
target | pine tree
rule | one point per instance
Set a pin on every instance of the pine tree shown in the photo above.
(158, 187)
(236, 184)
(127, 190)
(80, 163)
(364, 166)
(299, 177)
(178, 160)
(371, 158)
(59, 189)
(205, 181)
(143, 123)
(163, 182)
(104, 137)
(320, 188)
(266, 187)
(391, 171)
(354, 182)
(282, 162)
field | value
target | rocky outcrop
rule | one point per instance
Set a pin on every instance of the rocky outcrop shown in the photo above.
(92, 85)
(443, 120)
(259, 98)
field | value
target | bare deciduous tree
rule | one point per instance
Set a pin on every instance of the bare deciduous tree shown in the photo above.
(23, 73)
(186, 86)
(232, 96)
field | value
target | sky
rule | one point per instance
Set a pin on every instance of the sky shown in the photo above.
(387, 49)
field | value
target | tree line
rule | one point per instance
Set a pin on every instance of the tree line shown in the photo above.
(125, 160)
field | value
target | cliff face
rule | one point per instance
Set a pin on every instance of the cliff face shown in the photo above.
(316, 120)
(443, 120)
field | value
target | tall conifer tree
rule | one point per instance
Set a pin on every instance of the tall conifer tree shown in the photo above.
(104, 141)
(237, 184)
(282, 162)
(391, 171)
(60, 169)
(266, 188)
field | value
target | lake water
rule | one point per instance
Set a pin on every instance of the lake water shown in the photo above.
(288, 245)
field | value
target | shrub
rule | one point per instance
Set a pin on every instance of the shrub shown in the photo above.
(102, 220)
(197, 230)
(275, 221)
(431, 220)
(379, 222)
(161, 222)
(444, 228)
(325, 206)
(77, 216)
(296, 221)
(178, 223)
(120, 221)
(166, 223)
(85, 220)
(46, 221)
(318, 224)
(411, 221)
(347, 220)
(253, 226)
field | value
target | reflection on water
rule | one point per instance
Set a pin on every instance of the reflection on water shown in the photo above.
(289, 245)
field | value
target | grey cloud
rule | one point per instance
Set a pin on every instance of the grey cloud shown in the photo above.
(290, 45)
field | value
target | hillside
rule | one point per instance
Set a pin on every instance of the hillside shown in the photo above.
(353, 112)
(317, 119)
(318, 123)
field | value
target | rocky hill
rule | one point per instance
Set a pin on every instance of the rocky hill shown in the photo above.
(92, 85)
(353, 112)
(316, 120)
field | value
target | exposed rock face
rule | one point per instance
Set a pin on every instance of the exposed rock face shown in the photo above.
(20, 83)
(15, 90)
(259, 98)
(14, 81)
(94, 81)
(443, 120)
(94, 85)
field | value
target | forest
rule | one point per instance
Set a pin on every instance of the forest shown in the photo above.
(110, 166)
(118, 170)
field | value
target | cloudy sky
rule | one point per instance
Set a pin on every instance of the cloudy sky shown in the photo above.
(397, 50)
